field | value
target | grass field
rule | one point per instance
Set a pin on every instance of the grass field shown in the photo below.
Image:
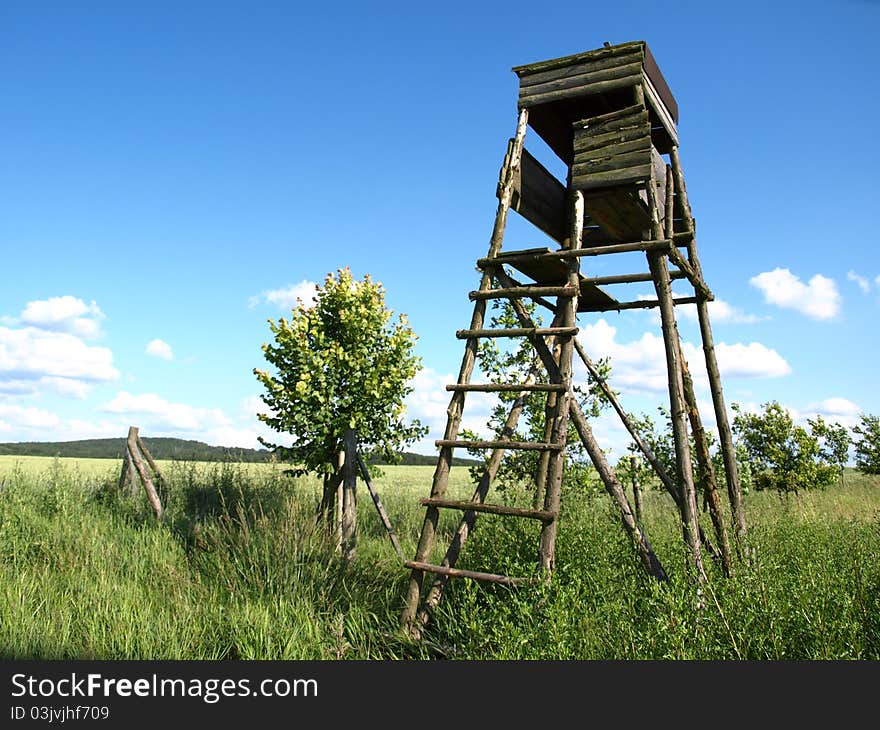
(237, 571)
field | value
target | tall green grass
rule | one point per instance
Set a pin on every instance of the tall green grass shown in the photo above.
(238, 570)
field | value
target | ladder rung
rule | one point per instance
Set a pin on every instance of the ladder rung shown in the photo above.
(518, 332)
(508, 387)
(494, 509)
(533, 255)
(473, 574)
(524, 291)
(515, 445)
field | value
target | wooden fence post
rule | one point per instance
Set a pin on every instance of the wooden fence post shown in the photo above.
(135, 453)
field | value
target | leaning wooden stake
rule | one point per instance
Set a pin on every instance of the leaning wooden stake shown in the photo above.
(126, 478)
(133, 453)
(380, 508)
(728, 451)
(637, 488)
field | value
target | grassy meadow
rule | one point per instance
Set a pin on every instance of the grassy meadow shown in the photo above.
(238, 571)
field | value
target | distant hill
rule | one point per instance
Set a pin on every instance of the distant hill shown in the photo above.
(170, 449)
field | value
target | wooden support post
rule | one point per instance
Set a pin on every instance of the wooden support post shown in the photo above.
(597, 456)
(728, 451)
(615, 489)
(609, 394)
(506, 181)
(706, 474)
(349, 495)
(135, 456)
(637, 488)
(567, 312)
(646, 450)
(126, 477)
(383, 515)
(689, 516)
(550, 406)
(338, 505)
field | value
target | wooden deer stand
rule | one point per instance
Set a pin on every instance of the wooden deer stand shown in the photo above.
(340, 500)
(611, 118)
(135, 455)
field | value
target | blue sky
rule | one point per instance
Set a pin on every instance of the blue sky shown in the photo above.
(174, 173)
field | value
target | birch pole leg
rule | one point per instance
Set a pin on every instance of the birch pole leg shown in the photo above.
(567, 311)
(597, 456)
(660, 275)
(707, 471)
(728, 451)
(456, 405)
(550, 405)
(706, 476)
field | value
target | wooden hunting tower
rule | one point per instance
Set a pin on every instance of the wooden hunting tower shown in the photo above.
(610, 116)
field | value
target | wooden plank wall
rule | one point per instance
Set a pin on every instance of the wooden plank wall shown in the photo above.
(594, 72)
(612, 149)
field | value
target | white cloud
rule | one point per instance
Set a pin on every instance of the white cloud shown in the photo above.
(160, 349)
(750, 361)
(817, 299)
(63, 314)
(288, 297)
(27, 417)
(252, 405)
(860, 280)
(640, 365)
(166, 415)
(30, 353)
(836, 410)
(719, 311)
(67, 386)
(428, 403)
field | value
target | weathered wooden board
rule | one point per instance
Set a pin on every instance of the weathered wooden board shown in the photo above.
(540, 198)
(611, 162)
(620, 212)
(560, 91)
(551, 271)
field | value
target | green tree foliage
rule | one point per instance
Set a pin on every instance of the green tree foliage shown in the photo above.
(834, 442)
(340, 364)
(867, 445)
(784, 456)
(511, 362)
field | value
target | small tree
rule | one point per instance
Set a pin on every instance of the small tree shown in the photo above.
(339, 364)
(867, 446)
(785, 456)
(834, 442)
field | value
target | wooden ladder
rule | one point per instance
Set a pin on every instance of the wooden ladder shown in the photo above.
(554, 347)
